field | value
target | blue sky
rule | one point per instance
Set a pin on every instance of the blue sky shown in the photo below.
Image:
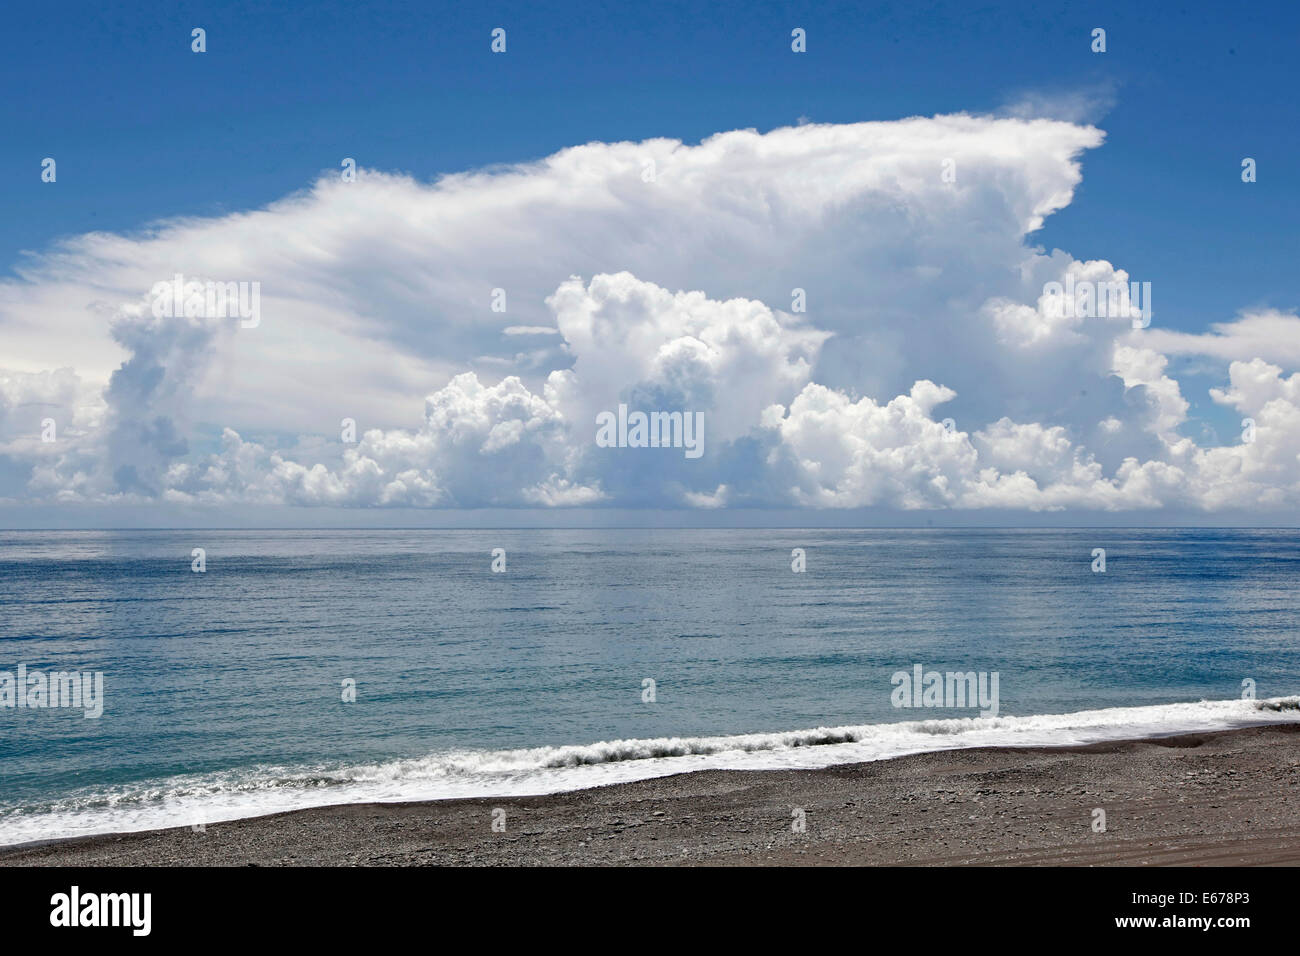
(145, 130)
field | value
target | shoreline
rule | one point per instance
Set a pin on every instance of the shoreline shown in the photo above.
(1226, 797)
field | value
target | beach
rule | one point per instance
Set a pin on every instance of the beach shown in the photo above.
(1210, 799)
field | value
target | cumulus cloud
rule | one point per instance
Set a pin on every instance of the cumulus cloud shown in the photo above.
(632, 340)
(854, 309)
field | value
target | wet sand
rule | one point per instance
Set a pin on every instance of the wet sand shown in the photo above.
(1226, 798)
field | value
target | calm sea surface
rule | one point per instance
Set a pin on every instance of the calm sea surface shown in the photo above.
(223, 690)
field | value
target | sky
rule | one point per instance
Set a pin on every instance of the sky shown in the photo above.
(525, 171)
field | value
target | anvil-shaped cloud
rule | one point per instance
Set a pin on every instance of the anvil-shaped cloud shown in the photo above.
(855, 309)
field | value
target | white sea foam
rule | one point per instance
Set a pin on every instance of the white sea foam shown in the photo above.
(212, 798)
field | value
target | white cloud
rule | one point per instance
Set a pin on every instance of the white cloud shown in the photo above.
(634, 341)
(1269, 334)
(923, 303)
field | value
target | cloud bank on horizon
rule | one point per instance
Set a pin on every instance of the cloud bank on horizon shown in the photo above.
(855, 312)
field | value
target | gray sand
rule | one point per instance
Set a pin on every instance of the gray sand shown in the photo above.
(1214, 799)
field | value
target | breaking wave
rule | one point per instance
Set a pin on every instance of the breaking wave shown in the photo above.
(252, 791)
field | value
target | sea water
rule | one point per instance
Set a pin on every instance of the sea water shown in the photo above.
(302, 668)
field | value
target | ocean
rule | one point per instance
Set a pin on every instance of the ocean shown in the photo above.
(303, 668)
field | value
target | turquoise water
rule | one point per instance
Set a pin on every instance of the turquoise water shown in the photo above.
(223, 685)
